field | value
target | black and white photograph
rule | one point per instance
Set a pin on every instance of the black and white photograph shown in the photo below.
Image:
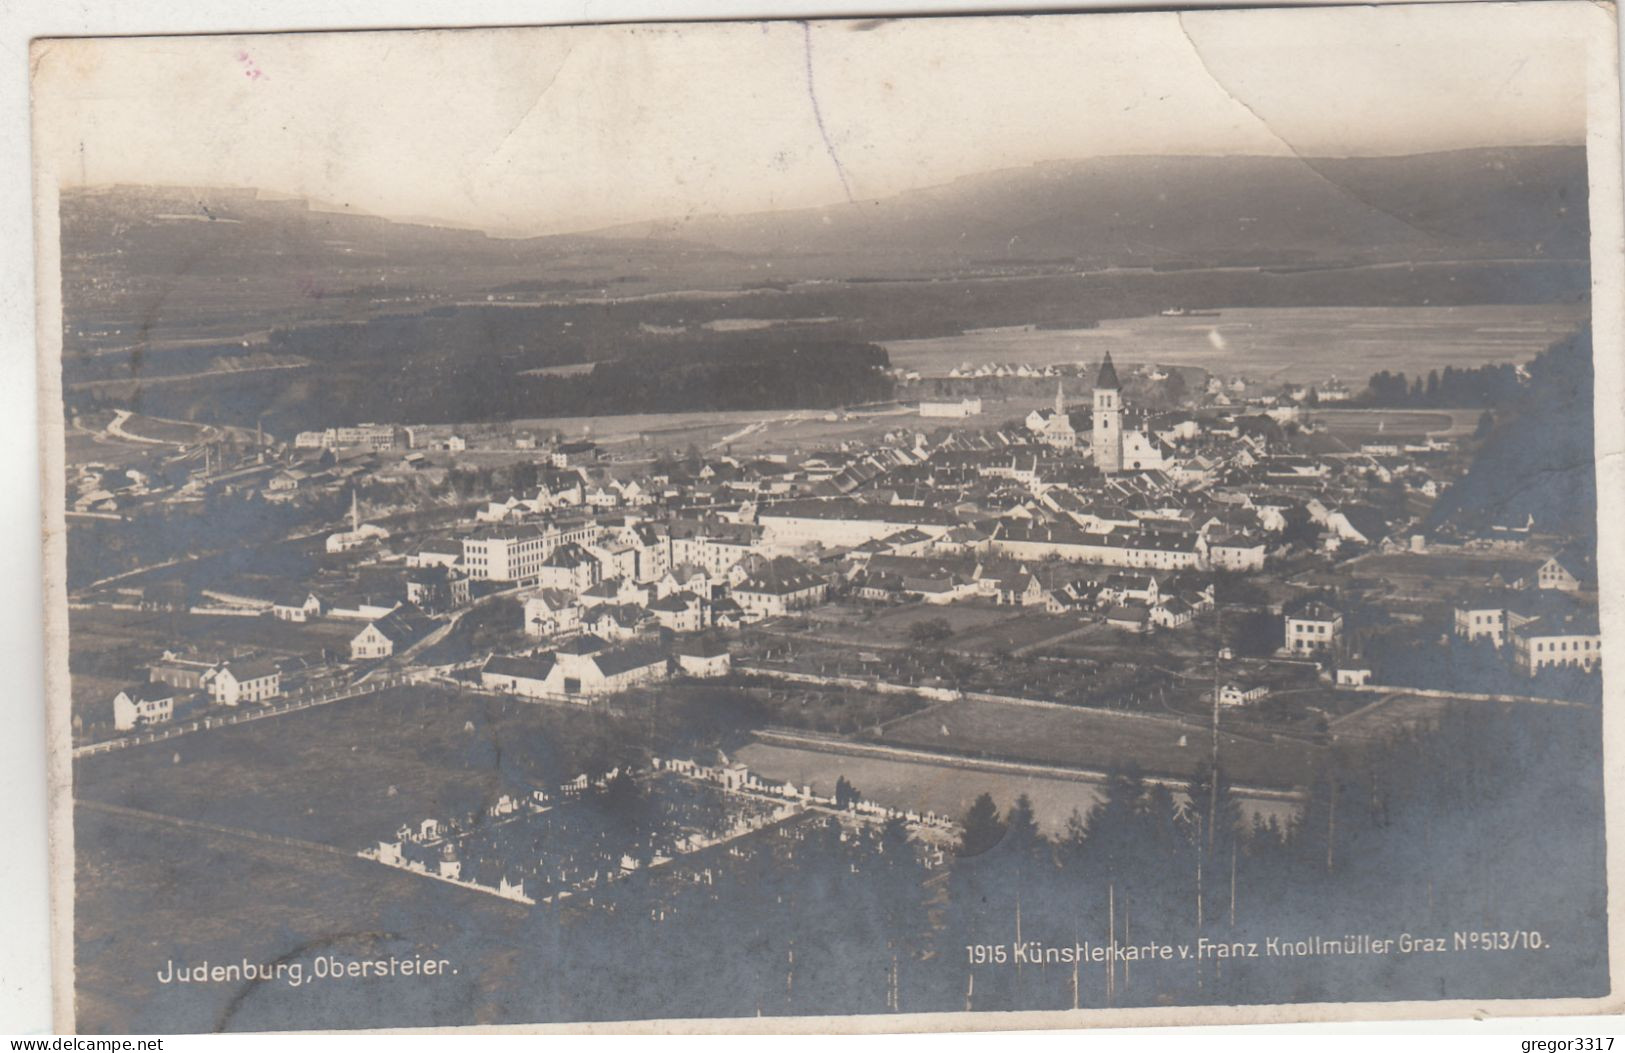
(895, 524)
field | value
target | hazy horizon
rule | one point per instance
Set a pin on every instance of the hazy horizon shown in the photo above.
(558, 130)
(265, 193)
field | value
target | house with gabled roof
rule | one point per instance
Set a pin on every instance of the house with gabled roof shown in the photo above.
(614, 590)
(552, 612)
(391, 634)
(681, 612)
(245, 680)
(617, 621)
(584, 669)
(1568, 571)
(778, 586)
(143, 705)
(1133, 616)
(525, 675)
(295, 605)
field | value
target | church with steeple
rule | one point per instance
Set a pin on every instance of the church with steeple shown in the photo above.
(1107, 438)
(1114, 445)
(1054, 428)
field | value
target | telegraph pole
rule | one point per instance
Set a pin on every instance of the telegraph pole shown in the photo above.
(1213, 774)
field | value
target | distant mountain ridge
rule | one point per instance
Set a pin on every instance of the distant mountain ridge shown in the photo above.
(175, 265)
(1512, 202)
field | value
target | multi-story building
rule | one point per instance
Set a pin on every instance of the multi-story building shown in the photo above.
(1553, 642)
(518, 552)
(255, 680)
(1313, 629)
(1153, 549)
(570, 567)
(370, 436)
(715, 553)
(779, 587)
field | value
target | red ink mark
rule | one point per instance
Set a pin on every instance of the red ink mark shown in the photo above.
(312, 288)
(251, 69)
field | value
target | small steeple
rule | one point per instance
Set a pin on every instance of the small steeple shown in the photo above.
(1108, 374)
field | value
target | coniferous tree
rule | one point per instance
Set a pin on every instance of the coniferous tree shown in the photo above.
(983, 829)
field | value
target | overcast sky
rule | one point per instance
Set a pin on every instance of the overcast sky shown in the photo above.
(559, 129)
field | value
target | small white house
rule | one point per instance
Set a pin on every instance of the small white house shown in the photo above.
(1241, 694)
(704, 657)
(142, 705)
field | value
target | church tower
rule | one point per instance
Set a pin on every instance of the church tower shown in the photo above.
(1108, 430)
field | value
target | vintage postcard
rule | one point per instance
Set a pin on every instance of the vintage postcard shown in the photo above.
(903, 524)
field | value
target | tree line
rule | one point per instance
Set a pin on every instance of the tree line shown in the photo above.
(1487, 385)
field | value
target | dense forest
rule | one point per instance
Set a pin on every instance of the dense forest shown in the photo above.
(1537, 456)
(387, 372)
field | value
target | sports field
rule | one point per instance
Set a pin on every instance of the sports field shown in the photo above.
(1099, 740)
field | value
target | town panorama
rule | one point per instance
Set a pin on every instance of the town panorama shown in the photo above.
(1103, 583)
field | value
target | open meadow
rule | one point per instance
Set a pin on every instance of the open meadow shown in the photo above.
(100, 638)
(350, 773)
(1277, 344)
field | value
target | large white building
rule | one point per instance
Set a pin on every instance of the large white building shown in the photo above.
(962, 408)
(517, 552)
(1158, 550)
(842, 522)
(255, 680)
(1546, 643)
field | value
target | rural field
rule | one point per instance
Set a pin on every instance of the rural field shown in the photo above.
(890, 625)
(350, 773)
(1379, 716)
(1277, 344)
(977, 627)
(137, 907)
(742, 431)
(1437, 576)
(143, 635)
(1016, 633)
(1097, 741)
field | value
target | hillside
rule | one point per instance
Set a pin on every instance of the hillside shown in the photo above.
(1138, 211)
(188, 263)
